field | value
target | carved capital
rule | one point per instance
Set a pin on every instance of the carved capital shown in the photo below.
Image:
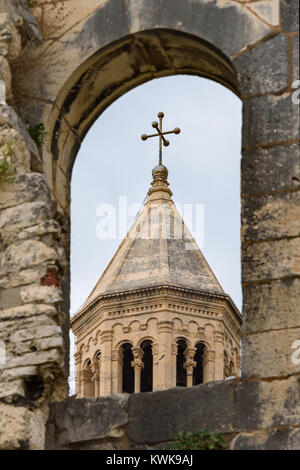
(189, 364)
(137, 362)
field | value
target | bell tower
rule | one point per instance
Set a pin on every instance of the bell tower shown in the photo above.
(158, 317)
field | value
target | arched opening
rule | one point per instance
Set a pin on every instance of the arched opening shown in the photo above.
(198, 369)
(81, 109)
(127, 369)
(87, 380)
(181, 379)
(147, 370)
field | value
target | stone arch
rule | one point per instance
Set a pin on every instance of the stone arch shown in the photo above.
(256, 35)
(184, 338)
(123, 341)
(146, 338)
(127, 65)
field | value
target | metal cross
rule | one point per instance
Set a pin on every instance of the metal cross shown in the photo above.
(160, 134)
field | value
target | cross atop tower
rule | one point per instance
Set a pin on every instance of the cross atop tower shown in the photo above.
(160, 134)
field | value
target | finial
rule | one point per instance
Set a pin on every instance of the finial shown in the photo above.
(160, 134)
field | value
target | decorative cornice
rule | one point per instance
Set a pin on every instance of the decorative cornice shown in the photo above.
(158, 290)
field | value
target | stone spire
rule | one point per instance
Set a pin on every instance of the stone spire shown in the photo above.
(158, 250)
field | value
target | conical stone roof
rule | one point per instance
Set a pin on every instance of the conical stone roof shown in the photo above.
(157, 251)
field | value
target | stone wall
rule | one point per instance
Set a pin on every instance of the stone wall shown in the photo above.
(32, 368)
(251, 415)
(47, 67)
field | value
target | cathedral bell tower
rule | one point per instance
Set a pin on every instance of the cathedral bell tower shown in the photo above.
(158, 317)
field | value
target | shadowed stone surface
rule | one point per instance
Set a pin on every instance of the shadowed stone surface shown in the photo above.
(260, 299)
(272, 216)
(271, 169)
(254, 67)
(213, 19)
(276, 439)
(248, 413)
(153, 417)
(270, 119)
(78, 421)
(289, 15)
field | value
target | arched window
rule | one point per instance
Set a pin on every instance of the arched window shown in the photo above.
(198, 369)
(147, 370)
(180, 360)
(87, 379)
(127, 369)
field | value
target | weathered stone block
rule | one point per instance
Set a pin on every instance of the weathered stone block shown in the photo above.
(24, 215)
(289, 15)
(24, 277)
(253, 67)
(21, 429)
(271, 306)
(263, 405)
(34, 358)
(153, 417)
(270, 119)
(41, 344)
(212, 20)
(47, 294)
(7, 326)
(27, 187)
(271, 260)
(13, 427)
(49, 343)
(78, 421)
(39, 230)
(26, 254)
(18, 372)
(28, 310)
(270, 354)
(40, 332)
(10, 297)
(270, 169)
(12, 388)
(275, 439)
(265, 217)
(141, 14)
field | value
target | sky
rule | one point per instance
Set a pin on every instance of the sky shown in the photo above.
(204, 169)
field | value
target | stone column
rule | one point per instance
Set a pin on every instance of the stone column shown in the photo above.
(209, 365)
(219, 356)
(106, 364)
(87, 384)
(155, 355)
(116, 365)
(77, 356)
(165, 331)
(174, 349)
(96, 376)
(137, 364)
(189, 365)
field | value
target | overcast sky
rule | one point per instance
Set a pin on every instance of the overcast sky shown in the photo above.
(203, 163)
